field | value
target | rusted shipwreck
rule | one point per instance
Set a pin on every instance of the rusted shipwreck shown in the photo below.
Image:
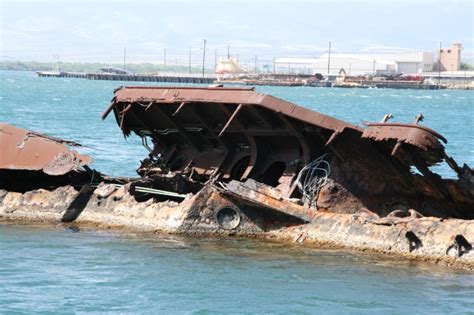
(236, 161)
(202, 136)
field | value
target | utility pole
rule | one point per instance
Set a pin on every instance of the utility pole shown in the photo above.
(215, 59)
(189, 66)
(329, 58)
(164, 59)
(124, 57)
(439, 65)
(228, 52)
(203, 56)
(255, 64)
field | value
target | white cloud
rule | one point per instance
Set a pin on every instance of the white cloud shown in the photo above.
(34, 25)
(84, 34)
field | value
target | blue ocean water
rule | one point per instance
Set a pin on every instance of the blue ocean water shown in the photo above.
(57, 270)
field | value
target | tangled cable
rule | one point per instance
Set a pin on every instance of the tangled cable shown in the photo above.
(311, 178)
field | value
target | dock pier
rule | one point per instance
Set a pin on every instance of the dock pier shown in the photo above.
(267, 80)
(129, 77)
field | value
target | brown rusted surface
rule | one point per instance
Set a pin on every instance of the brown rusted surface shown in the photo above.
(216, 134)
(25, 150)
(447, 241)
(413, 134)
(222, 95)
(257, 194)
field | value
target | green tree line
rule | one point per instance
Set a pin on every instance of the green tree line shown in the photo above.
(94, 67)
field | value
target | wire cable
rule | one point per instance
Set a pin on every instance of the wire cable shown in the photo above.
(311, 178)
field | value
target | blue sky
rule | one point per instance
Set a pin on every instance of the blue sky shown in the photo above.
(98, 30)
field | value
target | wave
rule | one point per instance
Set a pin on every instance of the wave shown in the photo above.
(420, 97)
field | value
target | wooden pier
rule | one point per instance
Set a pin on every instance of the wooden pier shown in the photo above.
(53, 74)
(129, 77)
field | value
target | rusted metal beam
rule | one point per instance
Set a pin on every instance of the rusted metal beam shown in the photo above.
(227, 147)
(301, 139)
(122, 114)
(203, 123)
(333, 137)
(251, 142)
(109, 108)
(179, 108)
(435, 180)
(397, 147)
(262, 195)
(196, 116)
(234, 114)
(148, 106)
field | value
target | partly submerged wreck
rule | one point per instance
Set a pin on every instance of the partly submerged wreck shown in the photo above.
(233, 161)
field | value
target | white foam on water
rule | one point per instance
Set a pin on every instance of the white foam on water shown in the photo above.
(420, 96)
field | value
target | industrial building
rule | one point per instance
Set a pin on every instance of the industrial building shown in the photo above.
(358, 64)
(450, 58)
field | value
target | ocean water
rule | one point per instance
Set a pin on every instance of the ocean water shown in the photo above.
(60, 270)
(54, 269)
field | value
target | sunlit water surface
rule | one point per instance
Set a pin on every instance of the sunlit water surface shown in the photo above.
(59, 270)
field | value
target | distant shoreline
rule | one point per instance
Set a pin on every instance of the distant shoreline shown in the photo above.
(94, 67)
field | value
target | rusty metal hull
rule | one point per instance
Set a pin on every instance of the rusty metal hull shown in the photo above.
(26, 150)
(440, 240)
(217, 134)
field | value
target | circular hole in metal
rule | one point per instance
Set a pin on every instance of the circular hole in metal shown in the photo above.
(400, 207)
(228, 218)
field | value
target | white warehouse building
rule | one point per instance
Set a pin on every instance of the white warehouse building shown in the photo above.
(358, 64)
